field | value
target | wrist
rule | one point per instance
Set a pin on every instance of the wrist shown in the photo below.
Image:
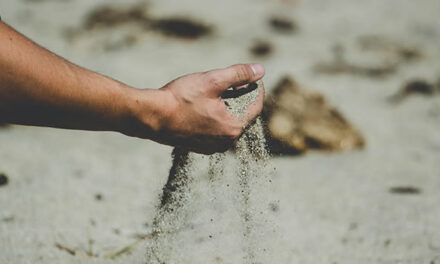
(147, 112)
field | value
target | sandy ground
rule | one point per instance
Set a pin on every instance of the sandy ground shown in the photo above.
(333, 208)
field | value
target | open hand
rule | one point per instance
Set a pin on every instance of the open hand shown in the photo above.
(192, 114)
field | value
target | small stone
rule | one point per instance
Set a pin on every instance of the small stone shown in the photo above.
(436, 260)
(8, 219)
(282, 24)
(417, 86)
(405, 190)
(181, 28)
(3, 179)
(261, 49)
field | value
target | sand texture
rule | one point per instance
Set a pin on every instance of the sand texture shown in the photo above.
(85, 197)
(249, 175)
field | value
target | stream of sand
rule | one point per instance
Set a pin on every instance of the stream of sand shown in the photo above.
(177, 211)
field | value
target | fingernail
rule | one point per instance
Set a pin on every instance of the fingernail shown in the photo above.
(257, 69)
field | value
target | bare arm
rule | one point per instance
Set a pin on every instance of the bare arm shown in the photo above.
(40, 88)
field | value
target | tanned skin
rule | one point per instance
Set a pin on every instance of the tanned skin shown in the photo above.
(39, 88)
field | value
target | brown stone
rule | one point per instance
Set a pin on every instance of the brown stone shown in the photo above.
(299, 119)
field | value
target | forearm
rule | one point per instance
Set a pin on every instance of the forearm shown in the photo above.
(39, 88)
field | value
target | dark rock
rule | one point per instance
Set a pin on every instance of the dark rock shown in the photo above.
(107, 16)
(261, 49)
(3, 179)
(98, 197)
(405, 190)
(417, 86)
(181, 28)
(282, 24)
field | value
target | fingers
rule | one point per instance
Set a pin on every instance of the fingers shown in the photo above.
(251, 112)
(234, 76)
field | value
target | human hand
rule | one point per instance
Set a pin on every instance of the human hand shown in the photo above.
(191, 114)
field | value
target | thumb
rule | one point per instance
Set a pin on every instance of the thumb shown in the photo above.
(233, 76)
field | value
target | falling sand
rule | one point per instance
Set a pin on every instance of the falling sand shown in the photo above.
(213, 208)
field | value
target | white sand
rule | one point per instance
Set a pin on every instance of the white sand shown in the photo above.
(332, 208)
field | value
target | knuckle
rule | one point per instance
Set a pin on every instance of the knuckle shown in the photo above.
(242, 72)
(214, 80)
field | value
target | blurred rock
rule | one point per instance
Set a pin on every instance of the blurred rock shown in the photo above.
(299, 120)
(340, 65)
(416, 86)
(3, 179)
(282, 24)
(343, 67)
(397, 51)
(392, 53)
(113, 27)
(261, 48)
(181, 27)
(108, 16)
(405, 190)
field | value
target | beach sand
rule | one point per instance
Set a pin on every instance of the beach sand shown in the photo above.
(79, 197)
